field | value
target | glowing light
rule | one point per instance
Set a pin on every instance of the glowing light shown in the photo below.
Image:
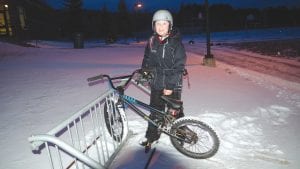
(6, 6)
(138, 5)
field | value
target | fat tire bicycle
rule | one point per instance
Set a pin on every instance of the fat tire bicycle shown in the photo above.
(188, 135)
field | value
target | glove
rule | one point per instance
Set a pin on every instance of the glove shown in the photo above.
(144, 77)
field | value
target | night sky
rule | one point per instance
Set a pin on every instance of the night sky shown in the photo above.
(151, 5)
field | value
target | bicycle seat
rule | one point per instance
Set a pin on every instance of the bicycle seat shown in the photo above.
(176, 104)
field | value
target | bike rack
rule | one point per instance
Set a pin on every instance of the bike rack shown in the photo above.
(82, 141)
(141, 87)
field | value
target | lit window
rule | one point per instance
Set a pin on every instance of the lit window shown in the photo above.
(2, 25)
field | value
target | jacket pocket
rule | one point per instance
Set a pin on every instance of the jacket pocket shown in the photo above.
(169, 57)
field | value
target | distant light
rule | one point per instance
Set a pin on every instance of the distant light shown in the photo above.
(138, 5)
(6, 6)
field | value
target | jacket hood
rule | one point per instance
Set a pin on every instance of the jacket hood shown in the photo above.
(175, 33)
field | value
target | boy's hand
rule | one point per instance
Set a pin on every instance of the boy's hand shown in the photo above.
(167, 92)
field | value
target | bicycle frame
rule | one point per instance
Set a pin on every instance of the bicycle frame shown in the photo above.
(181, 131)
(130, 101)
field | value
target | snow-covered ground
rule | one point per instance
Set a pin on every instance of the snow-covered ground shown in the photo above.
(255, 114)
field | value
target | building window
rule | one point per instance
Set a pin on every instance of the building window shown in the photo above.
(5, 28)
(2, 24)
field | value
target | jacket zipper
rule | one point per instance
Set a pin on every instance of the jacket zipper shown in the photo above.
(163, 55)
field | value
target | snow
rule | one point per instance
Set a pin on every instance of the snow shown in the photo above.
(255, 114)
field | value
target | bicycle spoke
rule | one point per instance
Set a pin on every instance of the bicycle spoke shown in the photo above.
(200, 141)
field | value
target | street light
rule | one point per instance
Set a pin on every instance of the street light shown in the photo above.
(137, 6)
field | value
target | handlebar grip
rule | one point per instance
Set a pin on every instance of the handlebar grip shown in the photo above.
(95, 78)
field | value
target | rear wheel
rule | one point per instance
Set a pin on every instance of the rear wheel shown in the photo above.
(113, 119)
(195, 139)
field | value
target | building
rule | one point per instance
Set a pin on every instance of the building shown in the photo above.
(26, 19)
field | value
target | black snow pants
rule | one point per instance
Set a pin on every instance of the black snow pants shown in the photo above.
(152, 133)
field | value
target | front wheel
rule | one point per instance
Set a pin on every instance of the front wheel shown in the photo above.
(194, 138)
(114, 120)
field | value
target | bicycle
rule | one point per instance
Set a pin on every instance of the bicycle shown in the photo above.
(188, 135)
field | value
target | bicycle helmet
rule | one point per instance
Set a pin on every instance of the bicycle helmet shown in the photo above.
(162, 15)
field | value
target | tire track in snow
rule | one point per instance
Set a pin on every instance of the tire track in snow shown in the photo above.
(265, 64)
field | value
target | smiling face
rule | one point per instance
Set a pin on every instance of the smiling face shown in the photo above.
(162, 28)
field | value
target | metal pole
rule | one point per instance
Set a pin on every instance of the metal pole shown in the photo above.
(208, 59)
(137, 6)
(208, 55)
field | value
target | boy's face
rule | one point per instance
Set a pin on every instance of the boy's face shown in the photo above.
(162, 28)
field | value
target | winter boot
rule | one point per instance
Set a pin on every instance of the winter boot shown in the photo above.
(147, 144)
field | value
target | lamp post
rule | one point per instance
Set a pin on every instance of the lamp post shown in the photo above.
(208, 59)
(138, 6)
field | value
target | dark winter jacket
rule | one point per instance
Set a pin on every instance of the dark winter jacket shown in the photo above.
(167, 58)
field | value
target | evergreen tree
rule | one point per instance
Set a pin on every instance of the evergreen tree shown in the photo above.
(124, 24)
(108, 25)
(73, 16)
(104, 21)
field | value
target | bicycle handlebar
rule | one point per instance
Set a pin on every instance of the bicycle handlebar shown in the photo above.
(110, 79)
(143, 72)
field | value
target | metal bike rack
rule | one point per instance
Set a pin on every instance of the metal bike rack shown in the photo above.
(82, 141)
(141, 87)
